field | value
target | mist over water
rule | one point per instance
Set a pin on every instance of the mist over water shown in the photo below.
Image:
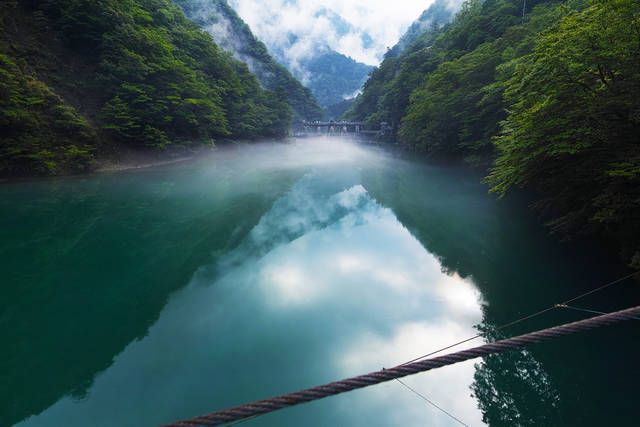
(300, 263)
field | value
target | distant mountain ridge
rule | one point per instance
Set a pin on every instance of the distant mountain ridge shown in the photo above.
(231, 33)
(331, 76)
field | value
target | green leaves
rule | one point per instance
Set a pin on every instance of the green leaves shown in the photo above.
(39, 133)
(572, 133)
(149, 76)
(557, 95)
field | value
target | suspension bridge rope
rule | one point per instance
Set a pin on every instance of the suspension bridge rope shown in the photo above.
(275, 403)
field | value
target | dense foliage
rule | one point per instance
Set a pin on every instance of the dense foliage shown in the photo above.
(439, 87)
(135, 71)
(556, 92)
(573, 132)
(30, 115)
(234, 35)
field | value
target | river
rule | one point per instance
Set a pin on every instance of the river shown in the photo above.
(146, 296)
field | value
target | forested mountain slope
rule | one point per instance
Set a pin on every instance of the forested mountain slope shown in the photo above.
(552, 97)
(80, 78)
(232, 34)
(332, 76)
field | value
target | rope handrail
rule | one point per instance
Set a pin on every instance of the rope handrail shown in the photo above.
(275, 403)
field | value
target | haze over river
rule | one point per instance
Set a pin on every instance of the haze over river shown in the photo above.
(147, 296)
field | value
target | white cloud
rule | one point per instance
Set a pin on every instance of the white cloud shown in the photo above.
(383, 20)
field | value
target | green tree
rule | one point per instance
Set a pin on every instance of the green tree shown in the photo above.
(39, 133)
(131, 71)
(573, 132)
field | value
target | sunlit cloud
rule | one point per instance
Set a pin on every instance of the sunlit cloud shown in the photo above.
(460, 295)
(367, 256)
(289, 283)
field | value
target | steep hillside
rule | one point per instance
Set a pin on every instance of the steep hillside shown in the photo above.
(232, 34)
(554, 96)
(81, 79)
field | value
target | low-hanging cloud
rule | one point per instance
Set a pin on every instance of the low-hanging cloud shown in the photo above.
(361, 29)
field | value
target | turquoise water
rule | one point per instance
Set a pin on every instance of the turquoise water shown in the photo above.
(142, 297)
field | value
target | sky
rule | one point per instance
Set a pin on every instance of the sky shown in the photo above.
(361, 29)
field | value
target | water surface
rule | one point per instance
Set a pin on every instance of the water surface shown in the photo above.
(143, 297)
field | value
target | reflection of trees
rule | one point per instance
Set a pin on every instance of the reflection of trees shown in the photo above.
(519, 269)
(87, 268)
(512, 389)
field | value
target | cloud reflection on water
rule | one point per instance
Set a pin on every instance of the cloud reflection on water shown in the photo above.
(328, 284)
(368, 263)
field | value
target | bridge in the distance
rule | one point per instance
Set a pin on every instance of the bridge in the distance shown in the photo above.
(354, 129)
(332, 127)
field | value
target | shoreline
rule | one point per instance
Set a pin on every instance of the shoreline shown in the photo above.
(128, 159)
(127, 165)
(105, 167)
(131, 159)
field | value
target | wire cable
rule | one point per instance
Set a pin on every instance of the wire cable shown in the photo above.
(430, 402)
(522, 319)
(585, 310)
(242, 421)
